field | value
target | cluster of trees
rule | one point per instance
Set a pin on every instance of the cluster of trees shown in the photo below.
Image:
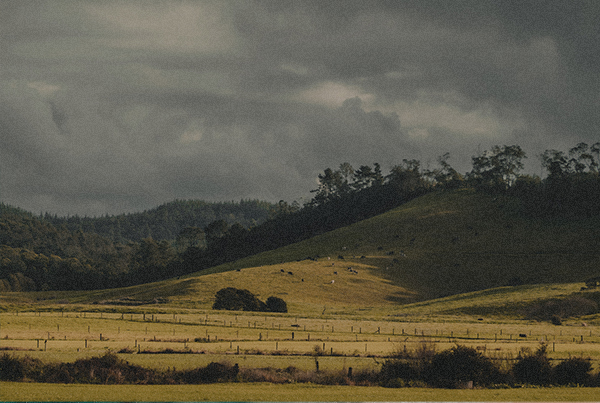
(188, 236)
(234, 299)
(572, 187)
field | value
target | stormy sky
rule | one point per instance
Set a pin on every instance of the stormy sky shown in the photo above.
(109, 107)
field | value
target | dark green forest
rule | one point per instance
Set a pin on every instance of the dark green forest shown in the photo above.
(56, 253)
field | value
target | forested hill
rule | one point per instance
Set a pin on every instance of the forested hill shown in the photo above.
(166, 222)
(89, 253)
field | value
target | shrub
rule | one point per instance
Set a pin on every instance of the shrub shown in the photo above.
(234, 299)
(238, 300)
(460, 364)
(11, 368)
(213, 372)
(275, 304)
(395, 373)
(574, 371)
(533, 368)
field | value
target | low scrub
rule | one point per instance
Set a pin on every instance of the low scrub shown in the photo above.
(458, 367)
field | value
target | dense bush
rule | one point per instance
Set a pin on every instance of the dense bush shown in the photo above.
(234, 299)
(275, 304)
(534, 368)
(397, 372)
(575, 371)
(461, 364)
(11, 368)
(213, 372)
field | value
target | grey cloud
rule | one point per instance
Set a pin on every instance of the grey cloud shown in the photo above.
(118, 106)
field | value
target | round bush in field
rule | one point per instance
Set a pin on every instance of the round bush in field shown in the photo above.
(234, 299)
(574, 371)
(238, 300)
(461, 364)
(534, 369)
(275, 304)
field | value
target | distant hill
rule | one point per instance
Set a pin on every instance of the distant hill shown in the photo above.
(38, 253)
(166, 221)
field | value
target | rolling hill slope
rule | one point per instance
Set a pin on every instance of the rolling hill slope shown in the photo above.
(454, 242)
(441, 244)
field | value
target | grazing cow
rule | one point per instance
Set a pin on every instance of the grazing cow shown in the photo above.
(283, 271)
(335, 272)
(290, 273)
(332, 281)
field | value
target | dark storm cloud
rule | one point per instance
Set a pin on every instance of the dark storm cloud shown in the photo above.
(117, 106)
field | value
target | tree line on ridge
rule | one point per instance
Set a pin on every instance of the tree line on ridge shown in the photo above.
(52, 253)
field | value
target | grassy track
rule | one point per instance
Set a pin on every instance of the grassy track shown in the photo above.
(291, 393)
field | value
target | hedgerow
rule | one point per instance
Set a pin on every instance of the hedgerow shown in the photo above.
(454, 368)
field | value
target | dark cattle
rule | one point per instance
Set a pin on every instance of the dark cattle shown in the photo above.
(290, 273)
(340, 257)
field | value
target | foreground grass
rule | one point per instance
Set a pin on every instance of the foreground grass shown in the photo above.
(12, 391)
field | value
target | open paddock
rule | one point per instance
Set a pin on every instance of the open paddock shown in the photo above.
(279, 340)
(11, 391)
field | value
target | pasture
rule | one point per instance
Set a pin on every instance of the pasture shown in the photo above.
(191, 338)
(11, 391)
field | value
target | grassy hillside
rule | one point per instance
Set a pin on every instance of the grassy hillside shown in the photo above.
(438, 245)
(455, 242)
